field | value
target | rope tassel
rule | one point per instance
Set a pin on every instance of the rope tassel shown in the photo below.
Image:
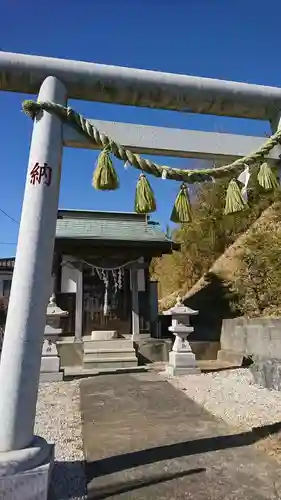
(234, 200)
(182, 209)
(105, 177)
(266, 178)
(144, 198)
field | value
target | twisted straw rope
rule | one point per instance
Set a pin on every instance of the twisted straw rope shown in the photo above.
(84, 126)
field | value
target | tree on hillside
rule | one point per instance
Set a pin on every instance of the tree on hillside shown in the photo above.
(208, 235)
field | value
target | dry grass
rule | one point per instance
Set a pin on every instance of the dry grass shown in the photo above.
(227, 266)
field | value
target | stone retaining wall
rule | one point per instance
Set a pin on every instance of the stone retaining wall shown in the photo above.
(267, 373)
(258, 337)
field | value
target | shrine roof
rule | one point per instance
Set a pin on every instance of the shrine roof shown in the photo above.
(109, 226)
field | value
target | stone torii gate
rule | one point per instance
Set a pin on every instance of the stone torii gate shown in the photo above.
(57, 80)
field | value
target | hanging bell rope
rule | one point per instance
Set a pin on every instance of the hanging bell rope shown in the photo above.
(181, 212)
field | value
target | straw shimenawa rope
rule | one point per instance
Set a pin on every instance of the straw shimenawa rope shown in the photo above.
(84, 126)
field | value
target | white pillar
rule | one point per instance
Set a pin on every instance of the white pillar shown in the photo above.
(135, 302)
(79, 304)
(21, 354)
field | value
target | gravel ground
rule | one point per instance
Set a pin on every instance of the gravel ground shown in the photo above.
(232, 396)
(58, 420)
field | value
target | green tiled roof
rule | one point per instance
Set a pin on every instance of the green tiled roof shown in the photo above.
(76, 224)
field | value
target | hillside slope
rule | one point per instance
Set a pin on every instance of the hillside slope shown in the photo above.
(245, 273)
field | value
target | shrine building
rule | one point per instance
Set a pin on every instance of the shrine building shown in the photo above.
(101, 278)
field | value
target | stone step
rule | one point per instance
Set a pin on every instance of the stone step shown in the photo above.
(108, 344)
(104, 335)
(80, 371)
(111, 362)
(92, 354)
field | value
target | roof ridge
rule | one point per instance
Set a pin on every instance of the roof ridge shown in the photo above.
(79, 213)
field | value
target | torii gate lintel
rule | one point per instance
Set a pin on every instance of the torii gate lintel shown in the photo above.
(137, 87)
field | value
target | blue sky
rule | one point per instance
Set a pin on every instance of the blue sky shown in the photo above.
(229, 39)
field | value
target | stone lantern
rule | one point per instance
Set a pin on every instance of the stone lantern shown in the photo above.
(50, 361)
(181, 359)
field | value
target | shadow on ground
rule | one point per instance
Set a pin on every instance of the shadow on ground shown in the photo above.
(149, 456)
(119, 488)
(68, 481)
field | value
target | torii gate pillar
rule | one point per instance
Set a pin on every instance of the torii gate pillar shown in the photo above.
(20, 450)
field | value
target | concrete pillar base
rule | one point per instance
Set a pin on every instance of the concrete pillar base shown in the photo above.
(51, 377)
(25, 474)
(174, 371)
(181, 363)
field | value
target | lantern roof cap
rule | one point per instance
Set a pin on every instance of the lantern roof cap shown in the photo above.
(180, 309)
